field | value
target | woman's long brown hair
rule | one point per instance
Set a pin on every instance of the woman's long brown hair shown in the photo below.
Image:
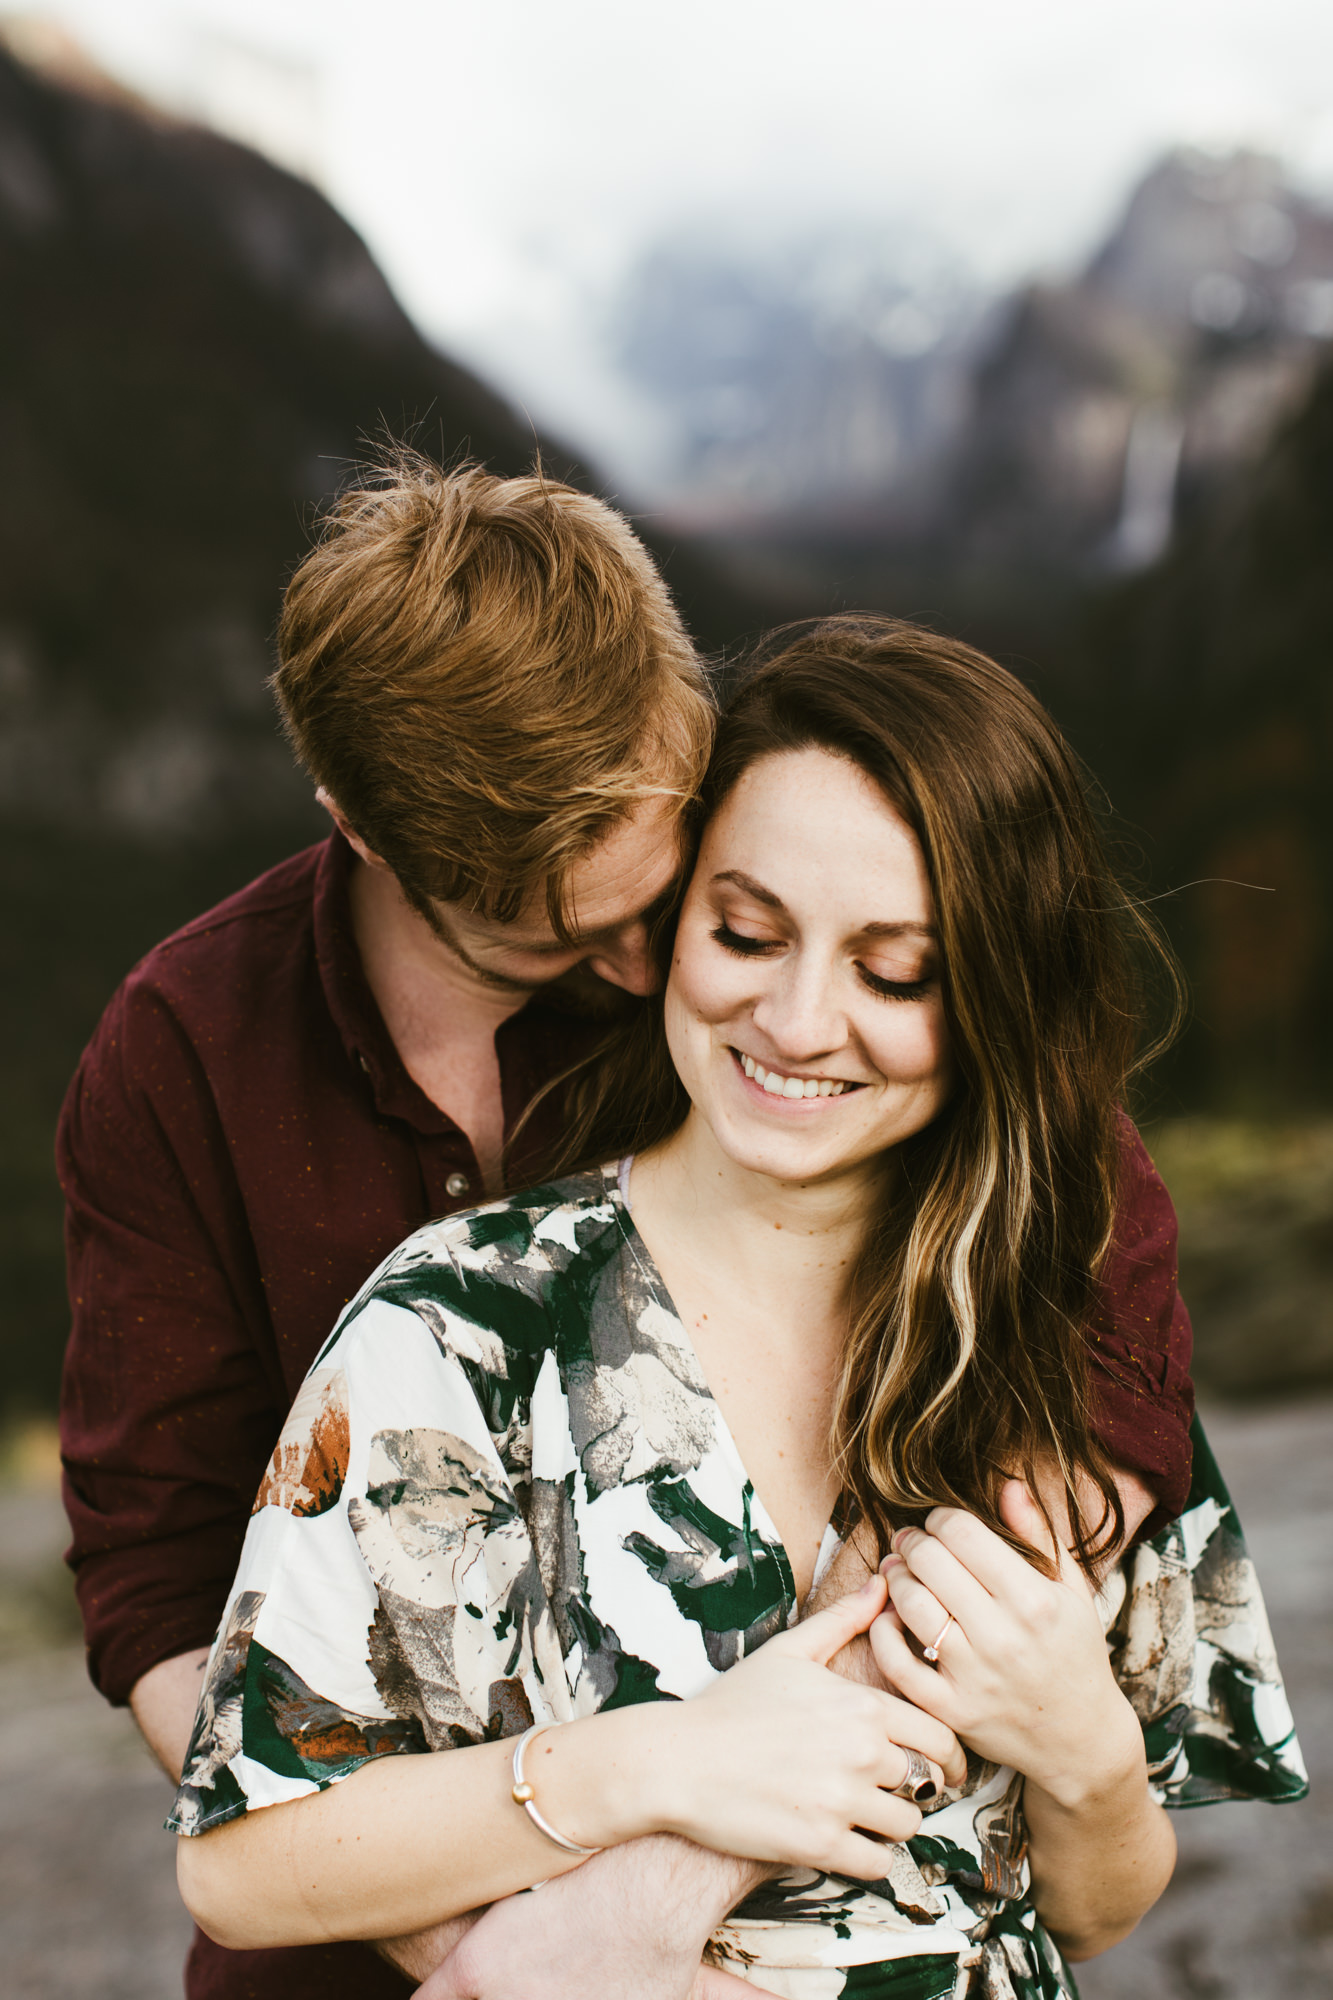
(966, 1353)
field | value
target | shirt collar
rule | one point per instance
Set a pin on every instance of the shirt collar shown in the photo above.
(532, 1044)
(356, 1015)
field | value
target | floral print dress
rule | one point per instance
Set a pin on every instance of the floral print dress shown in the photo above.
(506, 1495)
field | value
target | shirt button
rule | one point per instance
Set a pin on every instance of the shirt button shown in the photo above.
(457, 1184)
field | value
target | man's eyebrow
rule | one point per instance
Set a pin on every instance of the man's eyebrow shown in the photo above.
(774, 902)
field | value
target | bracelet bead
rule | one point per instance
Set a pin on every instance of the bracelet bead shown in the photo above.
(524, 1794)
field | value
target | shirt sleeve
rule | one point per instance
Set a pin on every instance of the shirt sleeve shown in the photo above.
(1140, 1341)
(388, 1599)
(170, 1400)
(1192, 1650)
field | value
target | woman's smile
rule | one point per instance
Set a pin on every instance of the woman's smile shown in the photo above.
(783, 1084)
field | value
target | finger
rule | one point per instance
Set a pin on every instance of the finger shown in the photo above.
(897, 1778)
(918, 1608)
(820, 1637)
(915, 1730)
(931, 1560)
(1020, 1512)
(989, 1560)
(863, 1856)
(925, 1687)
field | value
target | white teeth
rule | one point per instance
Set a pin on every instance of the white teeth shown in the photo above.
(778, 1085)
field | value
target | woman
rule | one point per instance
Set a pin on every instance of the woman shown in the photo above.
(577, 1458)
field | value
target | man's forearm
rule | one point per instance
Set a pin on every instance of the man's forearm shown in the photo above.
(417, 1956)
(163, 1703)
(630, 1924)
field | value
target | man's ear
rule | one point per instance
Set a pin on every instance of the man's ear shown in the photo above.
(354, 840)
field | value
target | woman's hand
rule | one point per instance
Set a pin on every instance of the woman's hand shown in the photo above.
(1023, 1675)
(782, 1760)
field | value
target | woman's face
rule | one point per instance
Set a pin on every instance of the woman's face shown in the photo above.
(803, 1010)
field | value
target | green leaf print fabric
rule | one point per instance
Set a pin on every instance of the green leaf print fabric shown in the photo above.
(505, 1495)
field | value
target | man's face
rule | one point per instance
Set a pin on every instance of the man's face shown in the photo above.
(613, 894)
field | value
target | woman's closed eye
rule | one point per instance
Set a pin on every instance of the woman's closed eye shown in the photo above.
(741, 942)
(744, 944)
(896, 989)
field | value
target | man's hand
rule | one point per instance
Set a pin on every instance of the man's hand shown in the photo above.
(851, 1567)
(631, 1924)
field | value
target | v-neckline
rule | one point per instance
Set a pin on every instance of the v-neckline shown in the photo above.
(830, 1540)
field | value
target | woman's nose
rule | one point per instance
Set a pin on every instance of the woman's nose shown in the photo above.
(800, 1016)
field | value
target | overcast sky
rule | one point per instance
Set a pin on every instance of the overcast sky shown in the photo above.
(506, 158)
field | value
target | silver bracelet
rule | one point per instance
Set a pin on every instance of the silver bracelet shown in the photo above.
(523, 1795)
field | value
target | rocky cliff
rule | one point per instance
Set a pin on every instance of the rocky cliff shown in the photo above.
(1207, 691)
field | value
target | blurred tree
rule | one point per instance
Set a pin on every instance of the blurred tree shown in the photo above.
(1207, 703)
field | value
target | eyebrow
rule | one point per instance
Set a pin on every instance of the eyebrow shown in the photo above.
(766, 896)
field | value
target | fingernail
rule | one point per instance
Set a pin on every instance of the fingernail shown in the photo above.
(867, 1586)
(888, 1563)
(901, 1538)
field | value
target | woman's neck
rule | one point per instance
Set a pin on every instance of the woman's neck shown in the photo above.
(759, 1272)
(791, 1245)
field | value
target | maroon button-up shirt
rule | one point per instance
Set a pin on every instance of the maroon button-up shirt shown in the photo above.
(240, 1147)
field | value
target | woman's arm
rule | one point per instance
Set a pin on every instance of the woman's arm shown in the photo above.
(1024, 1679)
(1101, 1855)
(779, 1760)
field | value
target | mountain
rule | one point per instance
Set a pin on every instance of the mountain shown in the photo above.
(795, 373)
(1109, 408)
(868, 429)
(195, 347)
(1205, 691)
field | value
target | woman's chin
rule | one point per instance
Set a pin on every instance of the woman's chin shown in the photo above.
(784, 1156)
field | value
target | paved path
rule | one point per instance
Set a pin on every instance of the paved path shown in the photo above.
(87, 1894)
(1249, 1913)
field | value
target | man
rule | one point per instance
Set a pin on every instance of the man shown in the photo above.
(502, 713)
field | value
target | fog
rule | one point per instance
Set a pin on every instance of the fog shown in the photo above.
(509, 163)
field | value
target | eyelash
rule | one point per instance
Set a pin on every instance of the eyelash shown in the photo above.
(883, 989)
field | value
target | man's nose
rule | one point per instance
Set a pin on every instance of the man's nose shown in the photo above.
(627, 961)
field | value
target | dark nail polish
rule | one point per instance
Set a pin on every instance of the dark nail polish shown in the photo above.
(925, 1792)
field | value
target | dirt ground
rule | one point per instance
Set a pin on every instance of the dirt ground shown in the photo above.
(87, 1895)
